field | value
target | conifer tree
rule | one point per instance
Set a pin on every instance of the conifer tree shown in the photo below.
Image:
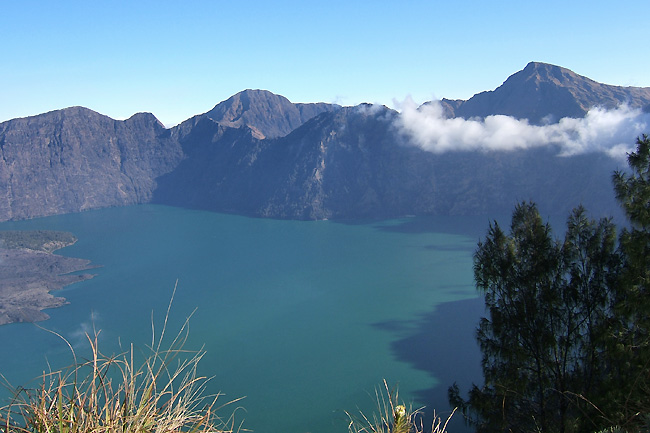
(547, 304)
(566, 340)
(630, 375)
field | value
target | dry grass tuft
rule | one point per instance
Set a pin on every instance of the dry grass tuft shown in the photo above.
(162, 393)
(393, 417)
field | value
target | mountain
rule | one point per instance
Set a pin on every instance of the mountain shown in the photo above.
(259, 154)
(326, 168)
(76, 159)
(341, 164)
(220, 170)
(267, 114)
(353, 163)
(542, 92)
(349, 164)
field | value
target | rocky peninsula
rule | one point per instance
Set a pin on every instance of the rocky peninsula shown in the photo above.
(29, 271)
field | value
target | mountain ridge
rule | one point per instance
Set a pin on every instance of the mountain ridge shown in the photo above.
(259, 154)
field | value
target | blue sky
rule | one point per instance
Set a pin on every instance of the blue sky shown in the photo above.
(177, 59)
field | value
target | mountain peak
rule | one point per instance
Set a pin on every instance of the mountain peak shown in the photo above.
(542, 92)
(545, 72)
(265, 112)
(541, 66)
(145, 119)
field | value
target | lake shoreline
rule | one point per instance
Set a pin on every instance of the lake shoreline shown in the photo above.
(29, 274)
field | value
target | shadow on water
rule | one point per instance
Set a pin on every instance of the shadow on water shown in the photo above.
(441, 343)
(473, 226)
(432, 247)
(458, 225)
(440, 224)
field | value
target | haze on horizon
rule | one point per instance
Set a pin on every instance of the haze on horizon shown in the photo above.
(178, 60)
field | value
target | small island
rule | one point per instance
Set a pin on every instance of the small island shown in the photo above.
(29, 271)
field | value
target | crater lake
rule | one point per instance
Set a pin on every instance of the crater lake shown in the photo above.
(303, 319)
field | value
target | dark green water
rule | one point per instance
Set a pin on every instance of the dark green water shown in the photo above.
(304, 319)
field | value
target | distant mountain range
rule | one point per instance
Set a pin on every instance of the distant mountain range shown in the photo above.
(259, 154)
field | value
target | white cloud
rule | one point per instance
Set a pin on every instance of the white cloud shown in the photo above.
(610, 131)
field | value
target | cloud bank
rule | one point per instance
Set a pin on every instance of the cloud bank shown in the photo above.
(613, 132)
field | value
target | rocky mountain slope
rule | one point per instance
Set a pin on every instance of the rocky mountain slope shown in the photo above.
(259, 154)
(76, 159)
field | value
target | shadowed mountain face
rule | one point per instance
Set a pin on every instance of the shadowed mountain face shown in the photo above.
(346, 163)
(259, 154)
(219, 171)
(543, 92)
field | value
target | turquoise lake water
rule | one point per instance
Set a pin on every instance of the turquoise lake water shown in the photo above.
(303, 319)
